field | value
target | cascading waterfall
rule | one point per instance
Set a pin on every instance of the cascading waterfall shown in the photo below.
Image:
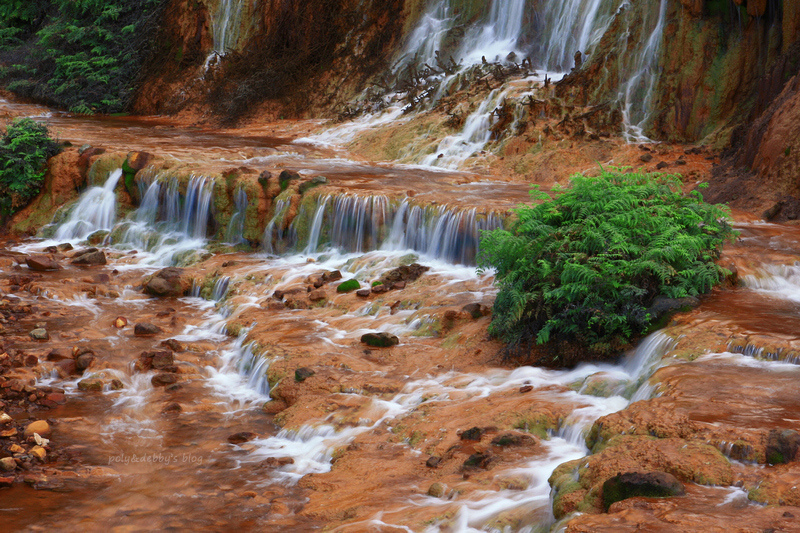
(274, 232)
(96, 210)
(235, 232)
(572, 26)
(358, 223)
(227, 25)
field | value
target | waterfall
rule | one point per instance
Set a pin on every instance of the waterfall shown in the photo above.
(96, 210)
(220, 288)
(274, 232)
(360, 223)
(235, 232)
(227, 25)
(572, 26)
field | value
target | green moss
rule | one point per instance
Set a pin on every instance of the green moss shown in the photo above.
(348, 286)
(537, 425)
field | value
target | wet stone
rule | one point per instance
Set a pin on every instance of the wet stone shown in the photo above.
(433, 461)
(317, 295)
(162, 359)
(89, 257)
(7, 464)
(302, 374)
(6, 482)
(511, 439)
(145, 329)
(39, 334)
(172, 408)
(436, 490)
(478, 460)
(39, 426)
(173, 345)
(38, 452)
(162, 380)
(472, 434)
(380, 340)
(116, 384)
(84, 361)
(242, 437)
(363, 293)
(120, 322)
(782, 446)
(42, 263)
(650, 485)
(90, 385)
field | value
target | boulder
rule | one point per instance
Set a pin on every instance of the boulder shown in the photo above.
(164, 379)
(241, 438)
(89, 257)
(317, 295)
(39, 334)
(8, 464)
(380, 340)
(84, 361)
(473, 434)
(648, 484)
(162, 359)
(145, 329)
(302, 374)
(406, 273)
(41, 263)
(168, 282)
(59, 354)
(39, 426)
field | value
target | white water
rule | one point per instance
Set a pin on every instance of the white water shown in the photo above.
(96, 210)
(226, 25)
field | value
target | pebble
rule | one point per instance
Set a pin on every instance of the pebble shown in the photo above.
(39, 426)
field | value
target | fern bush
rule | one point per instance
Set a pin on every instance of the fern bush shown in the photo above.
(24, 150)
(80, 55)
(584, 266)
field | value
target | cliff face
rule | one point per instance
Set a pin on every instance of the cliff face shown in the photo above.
(302, 57)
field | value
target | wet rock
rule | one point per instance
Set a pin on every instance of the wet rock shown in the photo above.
(115, 384)
(511, 439)
(662, 165)
(64, 247)
(42, 263)
(164, 379)
(145, 329)
(476, 310)
(4, 418)
(57, 398)
(406, 273)
(66, 368)
(380, 288)
(436, 490)
(172, 408)
(242, 437)
(348, 286)
(317, 295)
(16, 448)
(39, 334)
(275, 462)
(39, 426)
(332, 276)
(84, 361)
(38, 452)
(89, 257)
(31, 360)
(525, 388)
(7, 464)
(167, 282)
(97, 237)
(120, 322)
(91, 385)
(773, 211)
(313, 182)
(380, 340)
(263, 178)
(433, 461)
(6, 482)
(6, 433)
(649, 485)
(477, 460)
(302, 374)
(163, 359)
(646, 158)
(782, 446)
(173, 345)
(287, 176)
(59, 354)
(398, 286)
(363, 293)
(473, 434)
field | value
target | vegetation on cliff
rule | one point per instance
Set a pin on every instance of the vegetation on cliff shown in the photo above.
(79, 55)
(585, 266)
(24, 150)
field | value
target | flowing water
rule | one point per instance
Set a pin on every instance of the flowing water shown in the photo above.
(152, 465)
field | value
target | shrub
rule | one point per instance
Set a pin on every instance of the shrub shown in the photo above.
(584, 267)
(24, 150)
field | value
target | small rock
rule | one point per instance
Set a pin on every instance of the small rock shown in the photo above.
(302, 374)
(66, 368)
(41, 263)
(4, 418)
(476, 310)
(16, 448)
(525, 388)
(478, 460)
(173, 345)
(64, 247)
(116, 384)
(649, 485)
(782, 446)
(120, 322)
(8, 464)
(317, 295)
(38, 452)
(56, 397)
(145, 329)
(6, 482)
(90, 385)
(511, 439)
(8, 433)
(680, 161)
(286, 176)
(39, 426)
(90, 258)
(433, 461)
(646, 158)
(162, 380)
(168, 282)
(662, 165)
(436, 490)
(240, 438)
(84, 361)
(39, 334)
(172, 408)
(473, 434)
(380, 340)
(332, 276)
(380, 288)
(399, 285)
(363, 293)
(162, 359)
(31, 360)
(59, 354)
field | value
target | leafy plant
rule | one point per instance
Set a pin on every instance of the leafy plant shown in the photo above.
(584, 266)
(24, 150)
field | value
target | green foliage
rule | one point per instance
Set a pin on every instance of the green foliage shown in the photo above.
(82, 55)
(24, 150)
(584, 266)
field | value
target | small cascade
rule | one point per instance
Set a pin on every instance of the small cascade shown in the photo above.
(360, 223)
(275, 232)
(254, 369)
(235, 232)
(220, 288)
(572, 26)
(96, 210)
